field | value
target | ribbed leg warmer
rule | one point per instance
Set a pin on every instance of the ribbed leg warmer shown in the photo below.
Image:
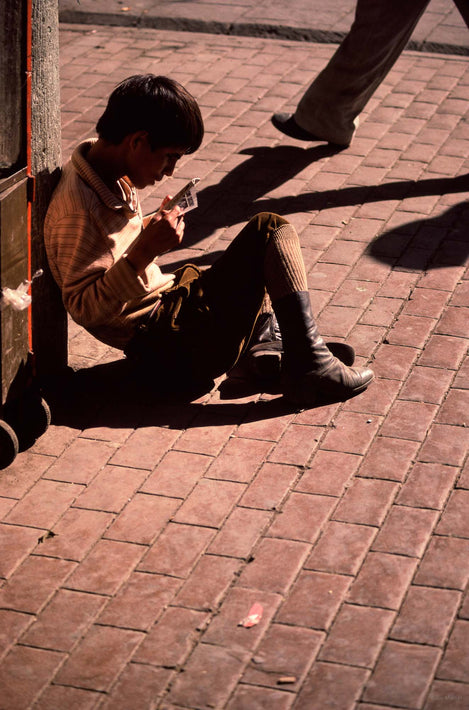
(284, 269)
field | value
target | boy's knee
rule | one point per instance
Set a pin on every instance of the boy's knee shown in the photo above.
(268, 221)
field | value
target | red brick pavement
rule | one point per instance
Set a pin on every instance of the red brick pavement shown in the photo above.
(348, 523)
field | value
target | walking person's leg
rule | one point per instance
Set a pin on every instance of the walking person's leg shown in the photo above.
(463, 7)
(330, 107)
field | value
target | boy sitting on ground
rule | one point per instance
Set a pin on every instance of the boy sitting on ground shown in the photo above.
(191, 326)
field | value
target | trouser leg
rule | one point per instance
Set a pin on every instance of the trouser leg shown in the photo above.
(235, 287)
(233, 293)
(330, 107)
(463, 7)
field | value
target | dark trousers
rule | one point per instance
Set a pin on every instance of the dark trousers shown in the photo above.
(206, 319)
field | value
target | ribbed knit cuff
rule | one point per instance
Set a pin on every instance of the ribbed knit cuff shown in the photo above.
(284, 266)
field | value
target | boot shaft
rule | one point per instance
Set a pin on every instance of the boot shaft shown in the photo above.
(304, 348)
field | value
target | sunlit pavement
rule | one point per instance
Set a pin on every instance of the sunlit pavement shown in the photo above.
(139, 532)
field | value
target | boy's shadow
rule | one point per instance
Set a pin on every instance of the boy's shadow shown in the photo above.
(110, 395)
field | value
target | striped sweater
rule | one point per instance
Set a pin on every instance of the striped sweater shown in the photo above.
(87, 231)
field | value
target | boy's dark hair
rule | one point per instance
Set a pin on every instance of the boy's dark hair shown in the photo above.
(156, 104)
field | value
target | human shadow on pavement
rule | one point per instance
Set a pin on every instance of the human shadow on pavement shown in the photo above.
(232, 200)
(240, 194)
(410, 245)
(426, 244)
(108, 395)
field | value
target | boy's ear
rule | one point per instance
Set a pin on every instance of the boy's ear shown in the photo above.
(137, 139)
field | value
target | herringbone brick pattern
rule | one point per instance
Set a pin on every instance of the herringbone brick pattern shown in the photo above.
(137, 534)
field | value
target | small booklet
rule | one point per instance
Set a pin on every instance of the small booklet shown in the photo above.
(186, 198)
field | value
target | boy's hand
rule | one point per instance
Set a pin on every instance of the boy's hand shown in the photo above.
(163, 232)
(166, 228)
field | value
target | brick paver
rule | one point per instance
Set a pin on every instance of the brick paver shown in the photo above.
(136, 535)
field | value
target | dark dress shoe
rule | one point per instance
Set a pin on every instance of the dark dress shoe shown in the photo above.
(285, 122)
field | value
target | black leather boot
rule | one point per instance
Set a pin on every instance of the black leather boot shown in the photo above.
(309, 368)
(263, 357)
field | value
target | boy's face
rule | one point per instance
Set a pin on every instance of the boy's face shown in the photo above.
(147, 166)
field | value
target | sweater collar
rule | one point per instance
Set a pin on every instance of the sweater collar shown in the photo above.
(128, 199)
